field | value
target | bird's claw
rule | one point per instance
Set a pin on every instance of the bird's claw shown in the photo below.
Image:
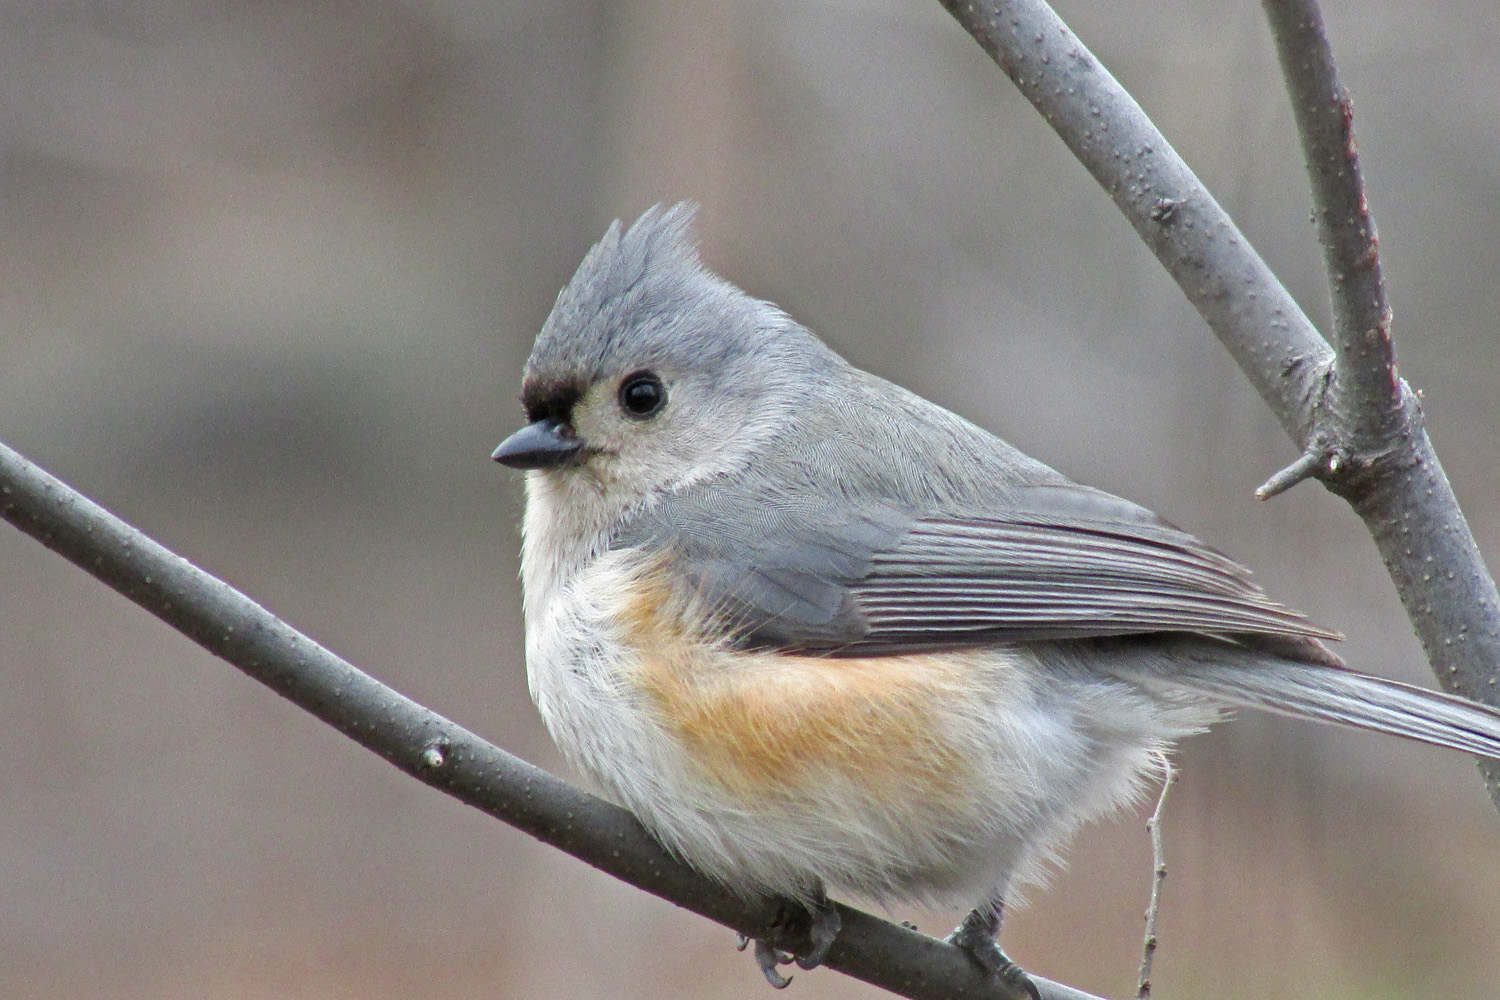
(824, 929)
(768, 959)
(822, 932)
(975, 937)
(1010, 972)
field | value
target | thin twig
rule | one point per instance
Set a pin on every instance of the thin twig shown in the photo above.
(1158, 876)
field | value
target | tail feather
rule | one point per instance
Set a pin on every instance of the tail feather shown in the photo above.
(1330, 694)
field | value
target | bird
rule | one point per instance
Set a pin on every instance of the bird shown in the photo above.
(820, 634)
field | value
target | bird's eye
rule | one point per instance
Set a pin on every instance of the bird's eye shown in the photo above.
(642, 395)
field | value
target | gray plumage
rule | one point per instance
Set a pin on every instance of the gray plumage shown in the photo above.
(833, 513)
(815, 631)
(887, 574)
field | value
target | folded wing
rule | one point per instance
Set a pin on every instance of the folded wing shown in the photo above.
(822, 576)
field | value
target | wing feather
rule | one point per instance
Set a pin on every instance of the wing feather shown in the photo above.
(1057, 561)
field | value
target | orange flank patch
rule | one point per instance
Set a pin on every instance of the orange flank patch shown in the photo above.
(766, 724)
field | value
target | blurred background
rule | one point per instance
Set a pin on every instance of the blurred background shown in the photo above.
(268, 273)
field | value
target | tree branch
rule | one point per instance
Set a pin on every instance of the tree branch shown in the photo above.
(1368, 393)
(1393, 480)
(1381, 460)
(448, 757)
(1197, 242)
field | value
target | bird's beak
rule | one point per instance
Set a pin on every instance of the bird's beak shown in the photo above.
(545, 444)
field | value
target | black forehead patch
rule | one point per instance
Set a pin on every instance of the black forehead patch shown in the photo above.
(551, 398)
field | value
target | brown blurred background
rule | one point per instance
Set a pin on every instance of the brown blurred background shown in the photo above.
(268, 272)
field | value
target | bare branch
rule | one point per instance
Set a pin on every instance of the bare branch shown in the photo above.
(1392, 477)
(1394, 482)
(448, 757)
(1197, 242)
(1369, 394)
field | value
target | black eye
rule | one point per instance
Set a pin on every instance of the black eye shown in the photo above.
(642, 395)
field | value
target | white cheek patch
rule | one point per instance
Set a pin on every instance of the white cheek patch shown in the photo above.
(693, 438)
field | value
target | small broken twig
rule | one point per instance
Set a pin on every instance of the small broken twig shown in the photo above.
(1306, 467)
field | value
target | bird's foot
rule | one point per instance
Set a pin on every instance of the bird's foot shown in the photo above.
(975, 937)
(822, 929)
(821, 932)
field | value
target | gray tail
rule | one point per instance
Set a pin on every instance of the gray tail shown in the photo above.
(1333, 694)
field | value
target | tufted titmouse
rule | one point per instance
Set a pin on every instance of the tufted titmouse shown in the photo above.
(818, 632)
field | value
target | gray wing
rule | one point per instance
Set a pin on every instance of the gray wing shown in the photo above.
(1062, 561)
(777, 570)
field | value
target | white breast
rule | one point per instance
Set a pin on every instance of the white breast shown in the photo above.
(965, 772)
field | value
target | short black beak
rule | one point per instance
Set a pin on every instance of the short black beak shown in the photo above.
(545, 444)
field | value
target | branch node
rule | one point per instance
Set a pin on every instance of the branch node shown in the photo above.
(435, 754)
(1165, 209)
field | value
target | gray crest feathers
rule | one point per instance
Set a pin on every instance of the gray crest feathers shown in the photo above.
(643, 298)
